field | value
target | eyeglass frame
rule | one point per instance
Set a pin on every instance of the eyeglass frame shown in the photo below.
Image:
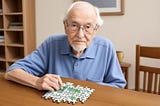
(81, 27)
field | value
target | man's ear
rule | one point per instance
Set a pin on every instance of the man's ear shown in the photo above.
(64, 23)
(65, 26)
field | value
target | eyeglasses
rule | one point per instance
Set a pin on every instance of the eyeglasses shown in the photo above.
(75, 27)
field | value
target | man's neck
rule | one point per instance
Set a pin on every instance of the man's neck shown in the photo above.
(78, 54)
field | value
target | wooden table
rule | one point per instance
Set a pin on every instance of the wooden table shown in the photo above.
(13, 94)
(125, 68)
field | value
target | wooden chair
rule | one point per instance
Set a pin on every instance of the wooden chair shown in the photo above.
(149, 75)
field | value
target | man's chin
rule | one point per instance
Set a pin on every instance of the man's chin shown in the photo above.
(79, 48)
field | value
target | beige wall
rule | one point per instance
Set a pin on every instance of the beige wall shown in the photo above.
(139, 25)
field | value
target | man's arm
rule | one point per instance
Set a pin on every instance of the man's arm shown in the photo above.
(114, 76)
(46, 82)
(31, 70)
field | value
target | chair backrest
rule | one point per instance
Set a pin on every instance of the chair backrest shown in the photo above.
(147, 76)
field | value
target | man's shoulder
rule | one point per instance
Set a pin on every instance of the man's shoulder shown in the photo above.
(101, 41)
(59, 37)
(53, 40)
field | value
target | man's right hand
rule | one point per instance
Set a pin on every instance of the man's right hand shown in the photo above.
(49, 82)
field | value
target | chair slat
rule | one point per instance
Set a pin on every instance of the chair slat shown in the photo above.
(150, 82)
(152, 52)
(159, 87)
(149, 69)
(155, 83)
(144, 81)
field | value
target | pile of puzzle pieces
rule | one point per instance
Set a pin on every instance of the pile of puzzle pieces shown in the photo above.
(69, 93)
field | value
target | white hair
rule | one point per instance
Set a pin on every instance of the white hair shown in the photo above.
(99, 19)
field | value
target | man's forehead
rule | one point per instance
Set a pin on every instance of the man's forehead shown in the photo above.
(82, 15)
(84, 22)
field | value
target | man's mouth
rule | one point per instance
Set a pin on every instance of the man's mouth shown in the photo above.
(79, 41)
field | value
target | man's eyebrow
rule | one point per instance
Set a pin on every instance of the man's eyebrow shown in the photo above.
(72, 21)
(88, 23)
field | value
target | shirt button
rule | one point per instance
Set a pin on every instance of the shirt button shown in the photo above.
(76, 64)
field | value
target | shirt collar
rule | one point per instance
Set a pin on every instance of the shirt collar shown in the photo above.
(65, 48)
(90, 51)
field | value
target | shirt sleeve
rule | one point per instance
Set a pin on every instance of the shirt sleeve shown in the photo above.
(113, 76)
(35, 63)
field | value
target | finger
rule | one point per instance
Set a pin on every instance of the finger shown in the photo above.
(59, 79)
(50, 88)
(47, 87)
(56, 79)
(53, 83)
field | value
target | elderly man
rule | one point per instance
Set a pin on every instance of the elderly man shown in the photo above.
(77, 54)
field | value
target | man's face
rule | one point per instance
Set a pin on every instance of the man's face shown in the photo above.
(80, 27)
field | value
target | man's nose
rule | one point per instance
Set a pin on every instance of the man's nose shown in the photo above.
(80, 32)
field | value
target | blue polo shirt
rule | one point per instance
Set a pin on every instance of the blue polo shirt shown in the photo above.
(98, 63)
